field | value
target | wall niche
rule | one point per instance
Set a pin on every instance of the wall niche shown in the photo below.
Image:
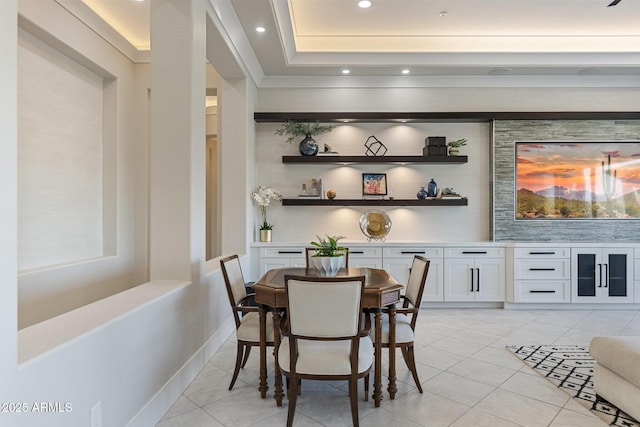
(507, 228)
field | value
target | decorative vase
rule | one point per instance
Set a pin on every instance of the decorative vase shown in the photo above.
(327, 265)
(454, 151)
(308, 146)
(265, 235)
(432, 188)
(422, 194)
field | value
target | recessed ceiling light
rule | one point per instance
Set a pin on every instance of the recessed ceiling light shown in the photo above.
(364, 4)
(346, 71)
(260, 29)
(444, 13)
(405, 71)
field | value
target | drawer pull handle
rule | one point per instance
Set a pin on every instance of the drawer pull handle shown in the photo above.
(474, 252)
(542, 253)
(412, 252)
(542, 292)
(290, 252)
(356, 252)
(542, 269)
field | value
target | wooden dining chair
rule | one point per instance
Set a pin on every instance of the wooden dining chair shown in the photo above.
(405, 321)
(245, 315)
(323, 335)
(311, 251)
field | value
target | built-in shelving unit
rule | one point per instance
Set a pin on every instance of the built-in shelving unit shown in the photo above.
(374, 159)
(375, 202)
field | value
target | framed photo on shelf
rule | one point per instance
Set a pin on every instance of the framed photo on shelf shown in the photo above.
(374, 184)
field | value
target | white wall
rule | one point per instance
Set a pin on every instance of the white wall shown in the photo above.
(133, 352)
(425, 224)
(474, 180)
(51, 290)
(60, 151)
(8, 192)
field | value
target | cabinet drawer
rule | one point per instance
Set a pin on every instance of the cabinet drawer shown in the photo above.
(542, 253)
(636, 269)
(543, 291)
(409, 252)
(287, 252)
(542, 269)
(364, 252)
(474, 252)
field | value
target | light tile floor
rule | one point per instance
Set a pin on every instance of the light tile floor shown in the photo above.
(468, 377)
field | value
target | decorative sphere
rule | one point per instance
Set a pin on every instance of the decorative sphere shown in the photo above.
(331, 194)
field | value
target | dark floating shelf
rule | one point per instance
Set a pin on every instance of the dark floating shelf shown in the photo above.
(453, 117)
(375, 202)
(374, 159)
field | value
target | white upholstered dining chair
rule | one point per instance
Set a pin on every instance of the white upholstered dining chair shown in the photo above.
(405, 321)
(323, 335)
(246, 317)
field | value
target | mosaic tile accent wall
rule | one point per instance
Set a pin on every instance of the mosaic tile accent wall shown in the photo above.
(506, 228)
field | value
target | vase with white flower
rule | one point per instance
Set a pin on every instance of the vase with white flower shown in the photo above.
(263, 197)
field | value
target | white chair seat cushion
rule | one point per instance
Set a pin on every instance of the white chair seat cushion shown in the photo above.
(325, 357)
(249, 329)
(404, 333)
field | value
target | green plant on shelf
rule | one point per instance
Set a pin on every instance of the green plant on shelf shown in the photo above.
(301, 129)
(457, 143)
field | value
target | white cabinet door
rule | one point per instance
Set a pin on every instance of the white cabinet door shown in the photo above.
(474, 274)
(459, 279)
(602, 275)
(490, 279)
(398, 261)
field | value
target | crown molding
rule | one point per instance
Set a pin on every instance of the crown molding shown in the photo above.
(98, 25)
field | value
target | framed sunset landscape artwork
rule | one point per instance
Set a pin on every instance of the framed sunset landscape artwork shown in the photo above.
(577, 180)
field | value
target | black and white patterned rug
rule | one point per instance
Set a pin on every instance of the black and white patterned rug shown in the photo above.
(570, 368)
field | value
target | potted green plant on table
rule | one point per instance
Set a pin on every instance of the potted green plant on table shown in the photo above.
(329, 255)
(454, 146)
(308, 146)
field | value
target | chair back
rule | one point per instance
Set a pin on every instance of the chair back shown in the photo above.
(324, 307)
(311, 252)
(417, 280)
(234, 281)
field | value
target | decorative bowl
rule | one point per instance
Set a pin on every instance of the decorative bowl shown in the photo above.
(375, 224)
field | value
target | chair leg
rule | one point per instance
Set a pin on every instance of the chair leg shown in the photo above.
(247, 352)
(366, 387)
(353, 397)
(236, 370)
(410, 361)
(392, 388)
(292, 395)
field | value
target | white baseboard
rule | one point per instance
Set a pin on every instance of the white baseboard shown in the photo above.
(155, 409)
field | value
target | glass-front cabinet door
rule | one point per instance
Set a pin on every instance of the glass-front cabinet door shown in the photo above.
(602, 275)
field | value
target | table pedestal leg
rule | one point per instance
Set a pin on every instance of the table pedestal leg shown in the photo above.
(377, 378)
(277, 393)
(392, 389)
(263, 387)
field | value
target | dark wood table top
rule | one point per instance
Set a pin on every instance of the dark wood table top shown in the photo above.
(381, 289)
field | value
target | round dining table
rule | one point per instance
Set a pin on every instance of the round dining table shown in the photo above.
(382, 290)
